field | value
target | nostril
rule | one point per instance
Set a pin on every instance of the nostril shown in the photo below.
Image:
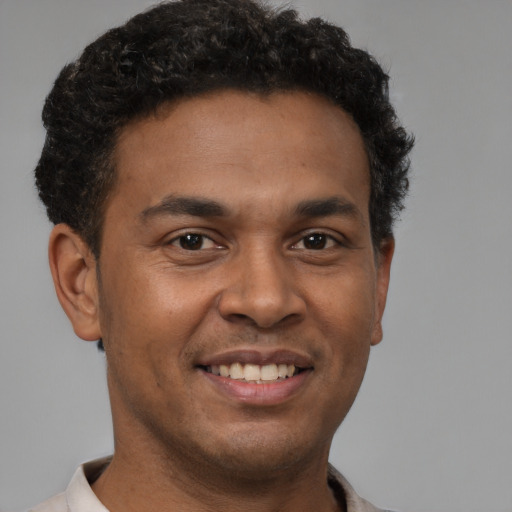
(240, 318)
(261, 306)
(262, 323)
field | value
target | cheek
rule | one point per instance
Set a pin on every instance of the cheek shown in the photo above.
(149, 315)
(345, 316)
(346, 304)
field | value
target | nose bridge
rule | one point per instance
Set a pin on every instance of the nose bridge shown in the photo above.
(261, 287)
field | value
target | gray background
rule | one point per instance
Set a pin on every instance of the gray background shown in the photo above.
(432, 427)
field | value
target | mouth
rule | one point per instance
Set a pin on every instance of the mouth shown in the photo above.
(257, 377)
(254, 373)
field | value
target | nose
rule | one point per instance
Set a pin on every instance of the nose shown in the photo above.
(261, 291)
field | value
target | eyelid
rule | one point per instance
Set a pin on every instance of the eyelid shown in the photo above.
(174, 240)
(337, 239)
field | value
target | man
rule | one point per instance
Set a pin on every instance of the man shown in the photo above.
(223, 180)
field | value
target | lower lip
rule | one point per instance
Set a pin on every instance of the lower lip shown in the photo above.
(271, 393)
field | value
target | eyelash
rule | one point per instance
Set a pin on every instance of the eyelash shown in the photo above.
(323, 240)
(178, 241)
(328, 241)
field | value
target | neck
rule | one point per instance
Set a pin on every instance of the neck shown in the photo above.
(165, 485)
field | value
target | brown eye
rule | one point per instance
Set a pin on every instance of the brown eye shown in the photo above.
(191, 241)
(315, 241)
(194, 242)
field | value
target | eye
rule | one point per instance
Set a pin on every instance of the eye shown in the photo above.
(316, 242)
(193, 242)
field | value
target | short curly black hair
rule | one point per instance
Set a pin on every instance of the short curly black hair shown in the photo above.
(185, 48)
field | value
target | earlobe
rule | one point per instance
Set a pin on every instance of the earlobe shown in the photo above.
(386, 250)
(73, 268)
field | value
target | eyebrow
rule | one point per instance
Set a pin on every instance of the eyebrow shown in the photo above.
(201, 207)
(328, 207)
(194, 206)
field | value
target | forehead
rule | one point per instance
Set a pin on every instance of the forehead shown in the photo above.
(242, 148)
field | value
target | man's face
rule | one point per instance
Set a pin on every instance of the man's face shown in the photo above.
(239, 291)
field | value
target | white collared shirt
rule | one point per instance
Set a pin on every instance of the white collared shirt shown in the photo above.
(79, 496)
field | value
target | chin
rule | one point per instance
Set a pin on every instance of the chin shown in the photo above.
(261, 456)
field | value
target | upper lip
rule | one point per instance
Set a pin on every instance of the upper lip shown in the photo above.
(259, 357)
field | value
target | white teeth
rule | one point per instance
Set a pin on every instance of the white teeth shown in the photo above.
(283, 370)
(236, 371)
(254, 372)
(269, 372)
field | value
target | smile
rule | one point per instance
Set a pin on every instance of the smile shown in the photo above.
(254, 373)
(258, 377)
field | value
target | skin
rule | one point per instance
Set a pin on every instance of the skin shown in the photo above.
(253, 283)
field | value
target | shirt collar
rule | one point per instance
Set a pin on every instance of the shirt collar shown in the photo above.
(81, 498)
(79, 495)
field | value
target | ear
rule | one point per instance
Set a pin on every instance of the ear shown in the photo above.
(386, 250)
(73, 268)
